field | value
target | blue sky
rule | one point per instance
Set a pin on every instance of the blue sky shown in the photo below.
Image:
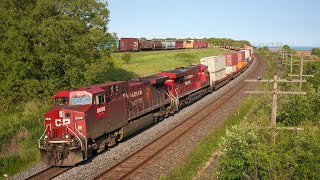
(293, 22)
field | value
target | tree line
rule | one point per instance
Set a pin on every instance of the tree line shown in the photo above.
(227, 42)
(50, 45)
(315, 51)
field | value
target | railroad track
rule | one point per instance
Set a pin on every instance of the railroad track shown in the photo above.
(140, 159)
(49, 173)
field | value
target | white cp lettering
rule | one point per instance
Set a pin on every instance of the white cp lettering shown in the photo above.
(61, 122)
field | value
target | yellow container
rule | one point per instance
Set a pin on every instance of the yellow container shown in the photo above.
(189, 44)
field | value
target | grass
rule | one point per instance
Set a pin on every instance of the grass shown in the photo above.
(206, 147)
(146, 63)
(19, 133)
(21, 128)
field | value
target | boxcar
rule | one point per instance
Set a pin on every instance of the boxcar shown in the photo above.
(189, 44)
(129, 44)
(180, 44)
(168, 44)
(159, 45)
(146, 45)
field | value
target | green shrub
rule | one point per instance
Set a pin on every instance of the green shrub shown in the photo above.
(126, 57)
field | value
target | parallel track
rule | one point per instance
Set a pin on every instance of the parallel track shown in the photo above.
(49, 173)
(140, 159)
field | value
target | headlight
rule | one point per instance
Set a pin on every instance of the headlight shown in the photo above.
(46, 137)
(60, 114)
(67, 136)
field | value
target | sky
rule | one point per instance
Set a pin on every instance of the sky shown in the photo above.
(292, 22)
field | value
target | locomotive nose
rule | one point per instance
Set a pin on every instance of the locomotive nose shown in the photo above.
(62, 144)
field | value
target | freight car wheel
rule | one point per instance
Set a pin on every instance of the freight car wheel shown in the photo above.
(160, 118)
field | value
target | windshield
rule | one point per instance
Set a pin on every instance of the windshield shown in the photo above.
(80, 100)
(61, 101)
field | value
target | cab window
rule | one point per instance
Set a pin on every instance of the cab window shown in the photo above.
(61, 101)
(116, 88)
(100, 99)
(80, 100)
(111, 89)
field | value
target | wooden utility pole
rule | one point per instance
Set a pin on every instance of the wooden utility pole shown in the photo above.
(301, 75)
(286, 54)
(275, 92)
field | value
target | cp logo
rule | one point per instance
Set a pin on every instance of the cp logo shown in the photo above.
(61, 122)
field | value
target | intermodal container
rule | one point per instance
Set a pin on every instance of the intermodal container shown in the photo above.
(216, 76)
(231, 69)
(240, 65)
(244, 63)
(169, 44)
(189, 44)
(214, 63)
(146, 45)
(249, 47)
(250, 53)
(246, 54)
(129, 44)
(231, 59)
(241, 56)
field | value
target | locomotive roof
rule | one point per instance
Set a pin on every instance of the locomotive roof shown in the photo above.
(93, 89)
(135, 83)
(62, 94)
(98, 88)
(155, 79)
(179, 72)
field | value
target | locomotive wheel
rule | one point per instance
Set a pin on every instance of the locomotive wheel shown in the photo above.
(120, 135)
(112, 142)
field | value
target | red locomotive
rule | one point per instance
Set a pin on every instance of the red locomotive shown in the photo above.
(87, 120)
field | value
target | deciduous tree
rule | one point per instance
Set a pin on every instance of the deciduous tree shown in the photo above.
(48, 45)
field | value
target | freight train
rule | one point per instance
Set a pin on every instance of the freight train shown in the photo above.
(135, 44)
(88, 120)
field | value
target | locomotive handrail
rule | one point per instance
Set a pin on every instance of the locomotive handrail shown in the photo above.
(42, 136)
(176, 91)
(86, 147)
(76, 136)
(174, 100)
